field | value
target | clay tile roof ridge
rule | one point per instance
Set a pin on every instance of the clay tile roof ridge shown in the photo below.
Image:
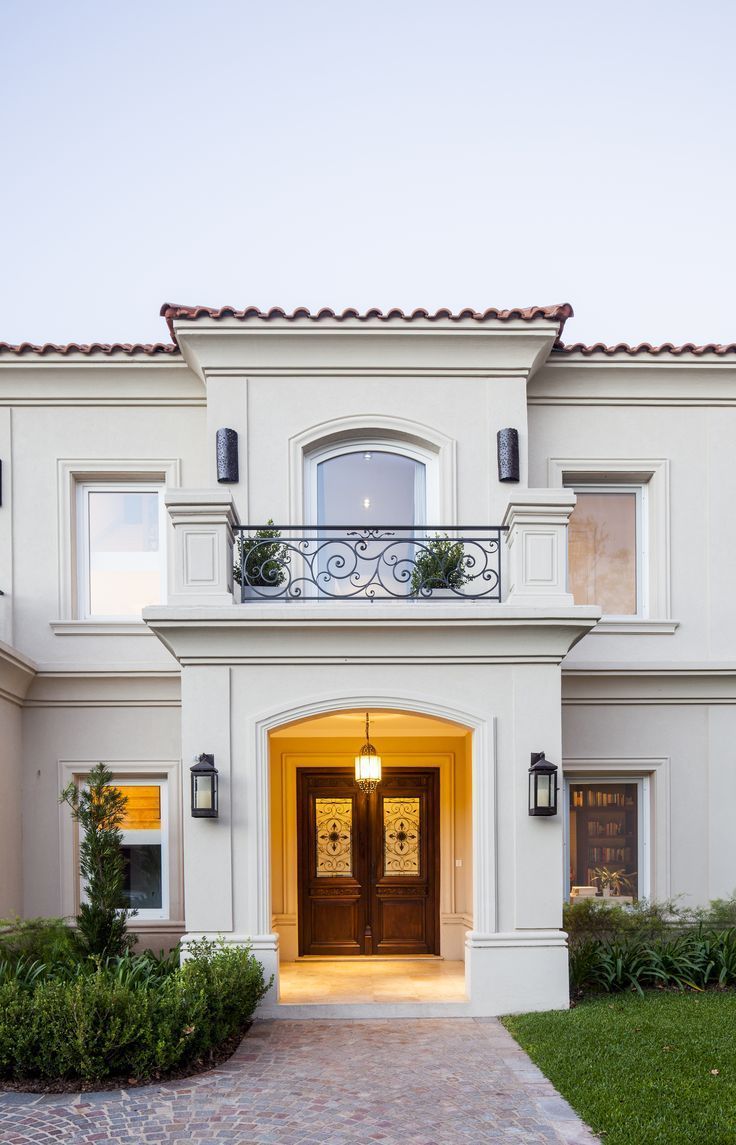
(173, 311)
(644, 348)
(130, 349)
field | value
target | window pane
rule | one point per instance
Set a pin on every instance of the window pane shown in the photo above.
(143, 885)
(143, 809)
(604, 839)
(370, 488)
(602, 551)
(124, 555)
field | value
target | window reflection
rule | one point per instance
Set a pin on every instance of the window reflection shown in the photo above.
(602, 551)
(370, 488)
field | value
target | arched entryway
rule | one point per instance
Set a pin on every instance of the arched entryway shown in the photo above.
(382, 883)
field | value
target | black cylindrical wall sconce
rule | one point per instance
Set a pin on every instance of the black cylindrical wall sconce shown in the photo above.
(507, 444)
(227, 456)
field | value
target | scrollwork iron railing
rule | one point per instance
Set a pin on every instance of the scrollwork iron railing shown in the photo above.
(346, 562)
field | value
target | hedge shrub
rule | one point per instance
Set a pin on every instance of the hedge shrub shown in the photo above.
(646, 945)
(130, 1017)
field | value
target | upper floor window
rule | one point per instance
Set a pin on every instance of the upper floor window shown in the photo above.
(120, 549)
(371, 483)
(606, 559)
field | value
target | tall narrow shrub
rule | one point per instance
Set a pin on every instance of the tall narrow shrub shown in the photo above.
(99, 810)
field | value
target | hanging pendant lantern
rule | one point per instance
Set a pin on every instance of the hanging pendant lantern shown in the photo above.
(367, 764)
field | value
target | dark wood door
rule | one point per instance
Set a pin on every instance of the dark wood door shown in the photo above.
(368, 865)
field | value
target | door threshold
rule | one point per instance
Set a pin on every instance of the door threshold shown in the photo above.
(370, 958)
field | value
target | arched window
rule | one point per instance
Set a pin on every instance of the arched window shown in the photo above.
(370, 483)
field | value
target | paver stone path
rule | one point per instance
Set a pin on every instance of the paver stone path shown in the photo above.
(393, 1081)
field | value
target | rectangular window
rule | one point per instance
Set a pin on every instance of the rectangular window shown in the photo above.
(145, 837)
(120, 551)
(606, 838)
(605, 559)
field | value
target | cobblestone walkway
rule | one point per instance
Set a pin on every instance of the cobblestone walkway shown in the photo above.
(398, 1082)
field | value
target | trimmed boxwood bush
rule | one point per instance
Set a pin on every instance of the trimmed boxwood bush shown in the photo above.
(132, 1017)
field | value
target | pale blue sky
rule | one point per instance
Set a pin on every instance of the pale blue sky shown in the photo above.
(391, 152)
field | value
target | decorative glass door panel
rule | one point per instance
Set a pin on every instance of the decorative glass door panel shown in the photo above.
(368, 865)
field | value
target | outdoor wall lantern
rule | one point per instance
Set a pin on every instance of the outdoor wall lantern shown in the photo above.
(367, 764)
(542, 786)
(226, 447)
(507, 448)
(204, 788)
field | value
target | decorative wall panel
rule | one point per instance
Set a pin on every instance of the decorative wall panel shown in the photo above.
(334, 827)
(401, 829)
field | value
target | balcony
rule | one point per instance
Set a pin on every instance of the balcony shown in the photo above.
(347, 562)
(216, 562)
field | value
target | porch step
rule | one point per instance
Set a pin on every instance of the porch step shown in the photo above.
(340, 1010)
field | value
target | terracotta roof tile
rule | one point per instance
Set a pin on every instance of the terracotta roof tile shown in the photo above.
(172, 312)
(623, 348)
(150, 349)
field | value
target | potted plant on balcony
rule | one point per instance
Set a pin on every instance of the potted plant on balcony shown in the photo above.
(259, 563)
(439, 568)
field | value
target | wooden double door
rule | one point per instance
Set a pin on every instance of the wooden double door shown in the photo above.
(368, 864)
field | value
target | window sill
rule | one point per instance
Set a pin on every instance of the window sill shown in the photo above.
(634, 625)
(100, 628)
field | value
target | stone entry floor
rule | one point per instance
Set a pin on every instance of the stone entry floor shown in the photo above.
(349, 981)
(393, 1081)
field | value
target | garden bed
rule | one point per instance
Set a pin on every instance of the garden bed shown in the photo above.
(80, 1024)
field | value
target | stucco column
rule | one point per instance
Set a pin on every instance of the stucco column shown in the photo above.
(201, 556)
(536, 543)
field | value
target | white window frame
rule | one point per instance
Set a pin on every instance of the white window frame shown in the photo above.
(425, 457)
(132, 837)
(128, 773)
(652, 475)
(83, 490)
(643, 819)
(641, 542)
(70, 473)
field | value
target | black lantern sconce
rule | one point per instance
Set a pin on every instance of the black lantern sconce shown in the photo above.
(204, 788)
(542, 786)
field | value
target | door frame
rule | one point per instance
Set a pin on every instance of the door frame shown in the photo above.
(368, 856)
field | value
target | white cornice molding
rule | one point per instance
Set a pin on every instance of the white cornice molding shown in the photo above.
(632, 685)
(694, 382)
(430, 349)
(17, 673)
(370, 633)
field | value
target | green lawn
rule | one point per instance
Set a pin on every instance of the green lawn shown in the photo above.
(642, 1071)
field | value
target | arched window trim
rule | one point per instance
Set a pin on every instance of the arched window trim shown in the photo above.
(437, 450)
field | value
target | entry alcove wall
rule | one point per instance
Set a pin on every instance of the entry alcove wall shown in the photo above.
(403, 740)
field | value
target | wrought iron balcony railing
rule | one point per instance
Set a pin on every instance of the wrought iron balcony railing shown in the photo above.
(347, 562)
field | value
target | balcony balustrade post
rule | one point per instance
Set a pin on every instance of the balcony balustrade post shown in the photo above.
(536, 542)
(201, 546)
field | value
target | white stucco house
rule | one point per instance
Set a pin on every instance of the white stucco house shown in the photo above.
(493, 543)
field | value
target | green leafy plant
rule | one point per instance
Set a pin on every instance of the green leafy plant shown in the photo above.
(616, 881)
(134, 1016)
(260, 558)
(439, 564)
(41, 939)
(99, 809)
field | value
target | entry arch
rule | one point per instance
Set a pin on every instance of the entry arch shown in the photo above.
(481, 726)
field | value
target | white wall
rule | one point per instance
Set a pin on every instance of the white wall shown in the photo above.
(11, 772)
